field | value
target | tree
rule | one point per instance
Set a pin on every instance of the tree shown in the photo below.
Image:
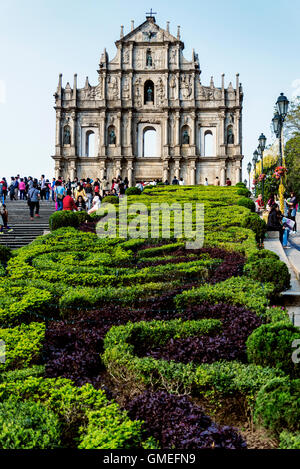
(292, 157)
(292, 123)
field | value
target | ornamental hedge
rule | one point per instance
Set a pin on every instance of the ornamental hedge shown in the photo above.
(152, 320)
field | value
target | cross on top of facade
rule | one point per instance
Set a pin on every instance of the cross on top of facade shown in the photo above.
(151, 14)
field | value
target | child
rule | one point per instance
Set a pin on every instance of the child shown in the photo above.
(4, 219)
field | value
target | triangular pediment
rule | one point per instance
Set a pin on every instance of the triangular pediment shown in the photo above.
(150, 32)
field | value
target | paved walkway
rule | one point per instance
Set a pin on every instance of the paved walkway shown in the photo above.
(25, 230)
(291, 256)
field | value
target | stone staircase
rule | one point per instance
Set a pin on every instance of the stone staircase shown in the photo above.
(25, 230)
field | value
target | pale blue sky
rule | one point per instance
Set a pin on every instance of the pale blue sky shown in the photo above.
(41, 38)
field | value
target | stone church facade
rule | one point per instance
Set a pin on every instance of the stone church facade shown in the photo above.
(149, 93)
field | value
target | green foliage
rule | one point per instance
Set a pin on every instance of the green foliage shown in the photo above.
(240, 184)
(262, 254)
(5, 254)
(22, 345)
(133, 191)
(235, 290)
(111, 199)
(63, 218)
(278, 405)
(292, 152)
(82, 216)
(276, 314)
(269, 270)
(271, 345)
(244, 192)
(28, 425)
(87, 417)
(289, 440)
(248, 203)
(15, 375)
(256, 224)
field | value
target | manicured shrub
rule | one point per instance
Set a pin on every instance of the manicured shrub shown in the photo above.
(244, 192)
(272, 345)
(28, 425)
(240, 184)
(88, 419)
(289, 440)
(178, 423)
(5, 254)
(256, 224)
(262, 254)
(16, 375)
(63, 218)
(82, 216)
(22, 345)
(248, 203)
(111, 199)
(269, 270)
(278, 405)
(133, 191)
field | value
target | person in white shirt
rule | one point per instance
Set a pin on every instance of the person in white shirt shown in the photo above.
(95, 204)
(206, 182)
(181, 182)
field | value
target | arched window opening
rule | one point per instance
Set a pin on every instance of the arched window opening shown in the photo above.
(67, 135)
(111, 135)
(90, 143)
(230, 135)
(149, 92)
(185, 135)
(149, 142)
(208, 143)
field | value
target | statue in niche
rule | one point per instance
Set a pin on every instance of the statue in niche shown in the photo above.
(185, 138)
(230, 136)
(172, 87)
(67, 135)
(149, 61)
(149, 94)
(112, 137)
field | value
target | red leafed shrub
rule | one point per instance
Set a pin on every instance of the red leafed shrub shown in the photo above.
(178, 423)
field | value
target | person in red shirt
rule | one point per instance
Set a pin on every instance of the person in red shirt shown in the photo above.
(228, 182)
(259, 204)
(68, 202)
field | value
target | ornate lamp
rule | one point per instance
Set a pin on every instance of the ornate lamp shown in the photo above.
(262, 142)
(282, 105)
(276, 124)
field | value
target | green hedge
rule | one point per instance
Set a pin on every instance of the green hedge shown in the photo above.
(221, 377)
(235, 290)
(256, 224)
(133, 191)
(88, 418)
(278, 405)
(248, 203)
(63, 218)
(269, 270)
(289, 440)
(23, 345)
(111, 199)
(271, 345)
(28, 425)
(5, 254)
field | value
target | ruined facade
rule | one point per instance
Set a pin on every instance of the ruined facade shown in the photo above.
(149, 116)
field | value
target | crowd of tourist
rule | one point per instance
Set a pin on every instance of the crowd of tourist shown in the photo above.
(284, 223)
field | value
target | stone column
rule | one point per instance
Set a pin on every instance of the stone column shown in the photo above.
(73, 134)
(58, 129)
(57, 169)
(119, 130)
(177, 168)
(192, 172)
(222, 180)
(237, 172)
(237, 127)
(129, 172)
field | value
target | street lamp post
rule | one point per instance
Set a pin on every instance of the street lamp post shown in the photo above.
(277, 121)
(254, 161)
(261, 148)
(249, 166)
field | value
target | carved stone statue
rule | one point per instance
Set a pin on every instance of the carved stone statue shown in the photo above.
(230, 136)
(67, 135)
(149, 94)
(149, 58)
(112, 137)
(185, 138)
